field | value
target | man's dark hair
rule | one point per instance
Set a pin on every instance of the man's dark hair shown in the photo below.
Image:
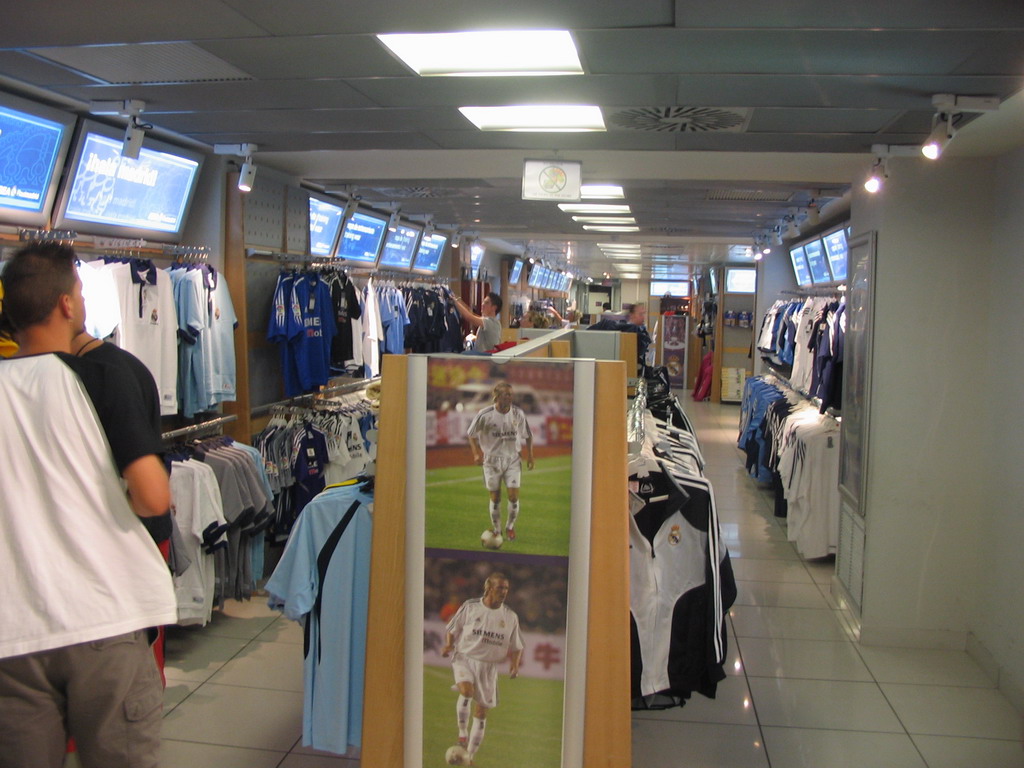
(34, 280)
(496, 301)
(606, 305)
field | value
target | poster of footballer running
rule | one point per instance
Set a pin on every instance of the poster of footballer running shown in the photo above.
(498, 486)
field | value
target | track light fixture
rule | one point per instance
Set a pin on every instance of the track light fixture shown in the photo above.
(792, 230)
(879, 173)
(776, 236)
(247, 175)
(949, 109)
(134, 133)
(813, 214)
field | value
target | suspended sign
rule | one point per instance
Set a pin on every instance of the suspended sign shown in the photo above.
(552, 180)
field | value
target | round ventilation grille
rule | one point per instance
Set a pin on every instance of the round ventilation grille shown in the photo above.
(680, 119)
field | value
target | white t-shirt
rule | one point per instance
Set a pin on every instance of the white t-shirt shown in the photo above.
(76, 564)
(500, 435)
(485, 634)
(489, 335)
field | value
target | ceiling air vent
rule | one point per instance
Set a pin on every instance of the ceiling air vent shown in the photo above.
(144, 63)
(681, 119)
(400, 193)
(751, 195)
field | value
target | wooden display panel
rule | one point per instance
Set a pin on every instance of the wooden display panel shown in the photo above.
(607, 734)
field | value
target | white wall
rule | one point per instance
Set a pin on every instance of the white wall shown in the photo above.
(930, 442)
(205, 226)
(997, 619)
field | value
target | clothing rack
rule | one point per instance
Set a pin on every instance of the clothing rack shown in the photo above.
(195, 429)
(831, 290)
(783, 379)
(635, 418)
(339, 389)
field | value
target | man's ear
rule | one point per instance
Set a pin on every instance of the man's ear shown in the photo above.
(66, 305)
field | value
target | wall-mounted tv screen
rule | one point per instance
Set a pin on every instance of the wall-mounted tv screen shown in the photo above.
(324, 224)
(34, 142)
(740, 280)
(476, 258)
(517, 270)
(361, 237)
(566, 282)
(817, 262)
(800, 269)
(106, 194)
(835, 247)
(666, 288)
(428, 257)
(400, 246)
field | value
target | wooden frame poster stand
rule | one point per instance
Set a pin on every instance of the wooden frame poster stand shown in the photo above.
(607, 724)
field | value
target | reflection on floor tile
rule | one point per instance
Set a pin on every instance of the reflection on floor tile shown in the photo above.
(192, 654)
(924, 667)
(954, 752)
(947, 711)
(732, 705)
(296, 760)
(777, 594)
(660, 744)
(749, 569)
(238, 717)
(264, 665)
(283, 631)
(829, 704)
(807, 659)
(806, 748)
(794, 623)
(763, 550)
(176, 691)
(186, 754)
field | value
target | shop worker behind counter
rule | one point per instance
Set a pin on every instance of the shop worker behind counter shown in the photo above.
(82, 579)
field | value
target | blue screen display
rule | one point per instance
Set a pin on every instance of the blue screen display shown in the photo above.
(428, 258)
(803, 274)
(817, 262)
(149, 193)
(360, 239)
(399, 247)
(29, 147)
(476, 258)
(324, 221)
(517, 270)
(835, 247)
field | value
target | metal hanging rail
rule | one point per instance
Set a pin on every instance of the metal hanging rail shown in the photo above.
(195, 429)
(339, 389)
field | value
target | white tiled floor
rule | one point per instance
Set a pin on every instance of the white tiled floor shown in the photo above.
(799, 691)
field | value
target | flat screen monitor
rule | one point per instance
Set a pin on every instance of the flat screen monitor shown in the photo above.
(34, 142)
(835, 247)
(428, 257)
(400, 246)
(476, 259)
(666, 288)
(566, 282)
(800, 269)
(740, 280)
(324, 225)
(817, 262)
(514, 274)
(361, 237)
(106, 194)
(534, 276)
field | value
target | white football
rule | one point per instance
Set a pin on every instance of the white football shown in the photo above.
(491, 540)
(456, 755)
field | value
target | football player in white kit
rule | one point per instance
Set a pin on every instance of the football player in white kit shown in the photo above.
(482, 633)
(496, 436)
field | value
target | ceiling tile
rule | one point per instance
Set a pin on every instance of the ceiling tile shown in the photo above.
(29, 69)
(311, 56)
(777, 120)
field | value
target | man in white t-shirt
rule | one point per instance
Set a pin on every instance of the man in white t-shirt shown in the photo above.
(83, 580)
(496, 436)
(483, 633)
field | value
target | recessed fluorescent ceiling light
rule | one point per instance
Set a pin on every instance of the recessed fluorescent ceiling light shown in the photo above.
(492, 53)
(619, 246)
(601, 192)
(594, 208)
(604, 219)
(602, 228)
(548, 118)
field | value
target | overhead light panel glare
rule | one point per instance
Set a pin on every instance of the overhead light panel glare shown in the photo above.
(595, 209)
(601, 192)
(537, 118)
(494, 53)
(609, 228)
(604, 219)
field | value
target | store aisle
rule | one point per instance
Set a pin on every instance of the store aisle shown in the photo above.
(800, 691)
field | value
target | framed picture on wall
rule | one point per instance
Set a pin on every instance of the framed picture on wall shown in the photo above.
(495, 618)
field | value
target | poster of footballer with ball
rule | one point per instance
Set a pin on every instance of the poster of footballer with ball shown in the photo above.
(498, 508)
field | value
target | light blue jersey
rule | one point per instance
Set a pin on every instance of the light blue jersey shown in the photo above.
(323, 578)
